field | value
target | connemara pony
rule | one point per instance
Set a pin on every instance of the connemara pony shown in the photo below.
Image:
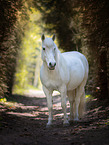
(67, 73)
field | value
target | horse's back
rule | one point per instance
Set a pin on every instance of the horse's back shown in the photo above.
(73, 55)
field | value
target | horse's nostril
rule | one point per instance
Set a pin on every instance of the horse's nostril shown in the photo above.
(50, 64)
(55, 64)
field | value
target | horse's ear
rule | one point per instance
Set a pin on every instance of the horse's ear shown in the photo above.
(53, 38)
(43, 37)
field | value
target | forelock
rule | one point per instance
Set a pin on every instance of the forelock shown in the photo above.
(48, 42)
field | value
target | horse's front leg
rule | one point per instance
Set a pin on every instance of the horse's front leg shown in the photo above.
(48, 94)
(63, 104)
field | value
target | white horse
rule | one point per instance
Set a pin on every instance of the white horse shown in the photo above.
(67, 73)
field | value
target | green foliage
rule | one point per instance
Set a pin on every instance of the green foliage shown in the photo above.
(2, 100)
(29, 57)
(96, 31)
(107, 123)
(9, 43)
(19, 44)
(79, 25)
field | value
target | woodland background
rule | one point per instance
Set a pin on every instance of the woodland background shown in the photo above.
(81, 25)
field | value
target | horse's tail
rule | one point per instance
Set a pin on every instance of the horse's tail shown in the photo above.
(82, 98)
(81, 109)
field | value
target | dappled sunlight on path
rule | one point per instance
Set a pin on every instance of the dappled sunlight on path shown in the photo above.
(33, 104)
(30, 105)
(23, 121)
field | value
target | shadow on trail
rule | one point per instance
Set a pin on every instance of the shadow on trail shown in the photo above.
(33, 106)
(23, 122)
(28, 100)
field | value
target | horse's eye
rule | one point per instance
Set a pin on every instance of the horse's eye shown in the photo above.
(54, 48)
(43, 48)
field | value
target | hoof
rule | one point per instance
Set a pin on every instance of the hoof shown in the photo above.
(71, 121)
(48, 125)
(66, 124)
(76, 120)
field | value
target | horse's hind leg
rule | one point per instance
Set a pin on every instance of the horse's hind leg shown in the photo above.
(78, 101)
(71, 96)
(82, 105)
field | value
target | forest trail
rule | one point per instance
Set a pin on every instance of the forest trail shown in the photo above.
(23, 122)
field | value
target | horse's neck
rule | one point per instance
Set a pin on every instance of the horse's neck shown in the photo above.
(60, 60)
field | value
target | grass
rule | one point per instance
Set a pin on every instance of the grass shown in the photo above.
(89, 97)
(3, 100)
(8, 104)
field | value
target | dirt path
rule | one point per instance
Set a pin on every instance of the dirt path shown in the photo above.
(23, 122)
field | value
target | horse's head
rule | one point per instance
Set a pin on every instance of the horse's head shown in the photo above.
(49, 51)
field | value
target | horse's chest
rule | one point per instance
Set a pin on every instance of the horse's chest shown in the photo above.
(52, 84)
(51, 80)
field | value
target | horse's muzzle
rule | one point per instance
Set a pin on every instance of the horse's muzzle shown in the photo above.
(52, 65)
